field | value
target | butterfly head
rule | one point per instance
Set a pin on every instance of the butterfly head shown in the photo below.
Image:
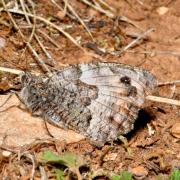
(30, 94)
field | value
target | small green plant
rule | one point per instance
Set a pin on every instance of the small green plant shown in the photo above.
(59, 174)
(70, 161)
(125, 175)
(175, 175)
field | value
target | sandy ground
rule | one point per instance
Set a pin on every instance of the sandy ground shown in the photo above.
(152, 154)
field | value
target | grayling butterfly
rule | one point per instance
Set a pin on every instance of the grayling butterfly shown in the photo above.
(98, 100)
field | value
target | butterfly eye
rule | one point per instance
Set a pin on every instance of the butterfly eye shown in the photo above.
(33, 91)
(26, 78)
(125, 80)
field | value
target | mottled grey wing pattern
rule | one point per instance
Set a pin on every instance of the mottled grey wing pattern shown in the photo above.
(98, 100)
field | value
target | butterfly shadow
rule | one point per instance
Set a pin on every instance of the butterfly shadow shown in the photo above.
(144, 117)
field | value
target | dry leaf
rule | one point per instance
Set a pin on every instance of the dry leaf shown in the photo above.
(20, 128)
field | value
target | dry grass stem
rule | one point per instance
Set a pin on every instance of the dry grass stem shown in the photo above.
(32, 159)
(106, 5)
(39, 60)
(79, 19)
(169, 83)
(50, 24)
(43, 173)
(34, 29)
(154, 53)
(15, 71)
(125, 19)
(29, 23)
(173, 90)
(49, 38)
(163, 100)
(63, 10)
(44, 49)
(98, 8)
(67, 5)
(1, 105)
(9, 70)
(136, 40)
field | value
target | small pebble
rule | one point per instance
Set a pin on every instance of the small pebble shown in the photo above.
(110, 157)
(175, 130)
(6, 153)
(139, 172)
(162, 10)
(2, 42)
(175, 164)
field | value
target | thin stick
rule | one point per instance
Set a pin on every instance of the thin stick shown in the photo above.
(107, 13)
(49, 38)
(12, 71)
(106, 5)
(153, 53)
(44, 49)
(125, 19)
(80, 20)
(15, 71)
(136, 40)
(49, 23)
(169, 83)
(63, 10)
(32, 158)
(151, 98)
(74, 13)
(6, 100)
(39, 60)
(29, 22)
(163, 100)
(35, 35)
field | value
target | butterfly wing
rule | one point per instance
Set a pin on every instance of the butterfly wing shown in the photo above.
(121, 93)
(98, 100)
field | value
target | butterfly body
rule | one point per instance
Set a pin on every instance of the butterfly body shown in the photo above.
(98, 100)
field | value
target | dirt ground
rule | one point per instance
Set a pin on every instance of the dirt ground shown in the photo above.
(152, 149)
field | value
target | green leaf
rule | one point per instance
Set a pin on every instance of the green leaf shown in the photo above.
(125, 175)
(66, 159)
(49, 156)
(115, 177)
(175, 175)
(69, 159)
(59, 174)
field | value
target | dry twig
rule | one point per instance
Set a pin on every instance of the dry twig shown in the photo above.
(39, 60)
(67, 5)
(32, 158)
(135, 41)
(49, 38)
(99, 8)
(12, 71)
(80, 20)
(151, 98)
(169, 83)
(154, 53)
(48, 23)
(163, 100)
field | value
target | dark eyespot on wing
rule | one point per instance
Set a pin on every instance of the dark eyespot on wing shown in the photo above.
(140, 77)
(132, 91)
(125, 80)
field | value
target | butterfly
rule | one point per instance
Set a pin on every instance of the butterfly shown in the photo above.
(98, 100)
